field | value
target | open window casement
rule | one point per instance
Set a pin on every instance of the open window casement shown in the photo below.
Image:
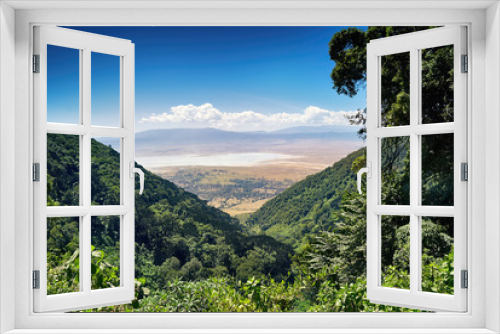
(416, 126)
(70, 273)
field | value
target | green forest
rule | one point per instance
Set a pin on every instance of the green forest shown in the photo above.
(304, 250)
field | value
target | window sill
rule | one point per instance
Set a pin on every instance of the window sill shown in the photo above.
(251, 331)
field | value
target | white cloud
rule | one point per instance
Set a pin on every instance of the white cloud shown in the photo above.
(206, 115)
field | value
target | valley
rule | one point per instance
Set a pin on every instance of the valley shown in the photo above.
(239, 172)
(234, 190)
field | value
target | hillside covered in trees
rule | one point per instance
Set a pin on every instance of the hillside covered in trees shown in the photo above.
(307, 207)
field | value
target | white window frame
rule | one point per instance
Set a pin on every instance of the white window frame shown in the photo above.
(413, 44)
(484, 101)
(86, 44)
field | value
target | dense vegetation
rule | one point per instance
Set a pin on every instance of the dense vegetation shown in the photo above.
(191, 257)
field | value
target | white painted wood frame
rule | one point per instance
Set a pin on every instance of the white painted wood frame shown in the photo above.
(413, 43)
(86, 43)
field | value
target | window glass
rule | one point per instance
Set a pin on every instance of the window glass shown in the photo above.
(395, 261)
(63, 85)
(437, 84)
(105, 252)
(395, 170)
(63, 255)
(63, 170)
(437, 170)
(106, 161)
(437, 254)
(105, 90)
(395, 81)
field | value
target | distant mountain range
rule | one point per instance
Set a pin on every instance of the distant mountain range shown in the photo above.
(316, 129)
(182, 141)
(210, 140)
(216, 135)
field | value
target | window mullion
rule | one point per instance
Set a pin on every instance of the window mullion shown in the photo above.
(373, 270)
(86, 255)
(415, 171)
(85, 173)
(86, 162)
(434, 128)
(420, 129)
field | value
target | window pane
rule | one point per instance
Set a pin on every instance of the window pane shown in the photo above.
(395, 99)
(395, 262)
(105, 90)
(437, 84)
(437, 255)
(63, 85)
(105, 252)
(437, 170)
(63, 255)
(395, 170)
(63, 170)
(105, 184)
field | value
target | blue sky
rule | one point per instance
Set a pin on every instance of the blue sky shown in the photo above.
(233, 78)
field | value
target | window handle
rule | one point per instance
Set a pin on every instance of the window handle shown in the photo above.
(139, 171)
(368, 172)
